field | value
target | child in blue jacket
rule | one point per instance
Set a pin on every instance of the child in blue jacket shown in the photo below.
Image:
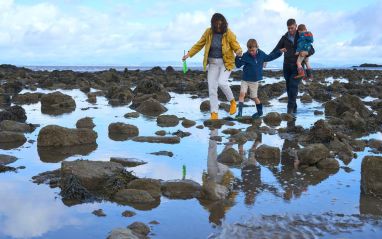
(253, 61)
(304, 44)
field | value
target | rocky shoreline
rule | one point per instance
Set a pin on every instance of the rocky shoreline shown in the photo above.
(314, 151)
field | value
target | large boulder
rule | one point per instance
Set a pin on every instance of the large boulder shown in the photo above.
(16, 113)
(312, 154)
(86, 123)
(122, 131)
(152, 186)
(119, 95)
(205, 106)
(272, 119)
(371, 181)
(181, 189)
(230, 157)
(321, 132)
(133, 196)
(167, 120)
(148, 86)
(14, 126)
(57, 103)
(92, 175)
(151, 107)
(27, 98)
(346, 103)
(54, 135)
(188, 123)
(354, 121)
(12, 87)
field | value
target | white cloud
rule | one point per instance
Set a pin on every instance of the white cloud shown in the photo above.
(48, 33)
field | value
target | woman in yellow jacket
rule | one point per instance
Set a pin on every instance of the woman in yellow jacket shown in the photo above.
(219, 44)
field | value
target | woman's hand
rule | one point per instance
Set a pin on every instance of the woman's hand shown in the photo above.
(239, 53)
(185, 57)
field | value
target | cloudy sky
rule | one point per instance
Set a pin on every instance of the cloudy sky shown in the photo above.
(136, 32)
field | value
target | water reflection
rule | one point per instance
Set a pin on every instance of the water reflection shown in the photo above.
(30, 213)
(58, 154)
(370, 205)
(31, 210)
(218, 196)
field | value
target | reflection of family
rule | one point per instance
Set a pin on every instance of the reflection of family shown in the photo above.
(220, 47)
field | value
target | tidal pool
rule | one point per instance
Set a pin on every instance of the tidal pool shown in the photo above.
(28, 210)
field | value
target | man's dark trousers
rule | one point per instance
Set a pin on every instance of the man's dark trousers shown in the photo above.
(290, 71)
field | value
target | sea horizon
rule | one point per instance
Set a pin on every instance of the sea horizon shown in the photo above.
(95, 68)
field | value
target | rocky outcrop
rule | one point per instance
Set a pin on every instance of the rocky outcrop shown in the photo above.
(56, 136)
(57, 103)
(167, 120)
(120, 131)
(15, 113)
(151, 107)
(14, 126)
(27, 98)
(272, 119)
(181, 189)
(85, 123)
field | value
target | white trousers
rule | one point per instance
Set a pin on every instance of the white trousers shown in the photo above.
(217, 76)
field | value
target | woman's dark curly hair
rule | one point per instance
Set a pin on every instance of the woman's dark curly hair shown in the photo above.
(214, 20)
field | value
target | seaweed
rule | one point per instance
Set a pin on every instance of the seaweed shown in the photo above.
(118, 182)
(72, 189)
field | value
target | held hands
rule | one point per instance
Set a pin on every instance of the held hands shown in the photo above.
(297, 53)
(283, 50)
(239, 53)
(185, 57)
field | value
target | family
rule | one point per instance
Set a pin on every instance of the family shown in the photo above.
(222, 53)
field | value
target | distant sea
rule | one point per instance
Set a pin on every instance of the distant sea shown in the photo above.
(144, 68)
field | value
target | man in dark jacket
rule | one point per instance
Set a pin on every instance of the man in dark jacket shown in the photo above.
(289, 43)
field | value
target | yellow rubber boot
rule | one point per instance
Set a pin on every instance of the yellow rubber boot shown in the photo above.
(214, 116)
(232, 108)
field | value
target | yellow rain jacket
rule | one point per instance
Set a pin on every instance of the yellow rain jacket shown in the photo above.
(229, 47)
